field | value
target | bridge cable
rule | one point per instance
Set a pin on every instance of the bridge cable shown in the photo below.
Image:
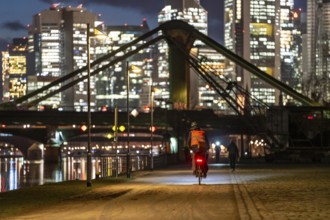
(104, 67)
(201, 70)
(253, 69)
(83, 69)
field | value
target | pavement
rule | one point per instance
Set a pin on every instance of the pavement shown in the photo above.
(256, 190)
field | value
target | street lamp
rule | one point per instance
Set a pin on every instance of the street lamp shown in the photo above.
(89, 151)
(116, 137)
(134, 69)
(153, 90)
(128, 170)
(89, 148)
(151, 127)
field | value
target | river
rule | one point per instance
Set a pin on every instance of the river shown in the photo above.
(17, 172)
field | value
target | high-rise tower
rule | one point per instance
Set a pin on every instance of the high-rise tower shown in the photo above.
(252, 30)
(58, 38)
(290, 38)
(17, 63)
(317, 55)
(111, 85)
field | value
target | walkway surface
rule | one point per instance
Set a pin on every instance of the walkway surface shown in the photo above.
(254, 191)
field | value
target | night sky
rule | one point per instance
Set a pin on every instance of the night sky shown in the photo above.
(15, 15)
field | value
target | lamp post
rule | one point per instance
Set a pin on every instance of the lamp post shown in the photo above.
(151, 128)
(89, 152)
(116, 137)
(89, 148)
(134, 69)
(128, 164)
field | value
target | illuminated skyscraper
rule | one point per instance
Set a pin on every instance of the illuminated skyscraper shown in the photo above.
(299, 36)
(290, 40)
(317, 76)
(111, 85)
(16, 63)
(252, 30)
(58, 39)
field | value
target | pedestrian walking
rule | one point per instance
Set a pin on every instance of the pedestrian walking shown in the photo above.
(232, 154)
(217, 153)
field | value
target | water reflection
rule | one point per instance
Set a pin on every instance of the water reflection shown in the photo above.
(16, 172)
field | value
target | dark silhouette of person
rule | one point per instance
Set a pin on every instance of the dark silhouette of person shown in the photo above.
(217, 153)
(232, 154)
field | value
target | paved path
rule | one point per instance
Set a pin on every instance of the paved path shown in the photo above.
(252, 192)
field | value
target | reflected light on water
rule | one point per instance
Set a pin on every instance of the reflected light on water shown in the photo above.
(17, 172)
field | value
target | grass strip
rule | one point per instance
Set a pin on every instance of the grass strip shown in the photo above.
(25, 200)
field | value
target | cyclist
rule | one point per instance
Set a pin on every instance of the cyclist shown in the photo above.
(198, 143)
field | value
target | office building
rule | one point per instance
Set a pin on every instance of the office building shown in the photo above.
(111, 85)
(58, 40)
(290, 49)
(252, 30)
(16, 64)
(298, 47)
(317, 56)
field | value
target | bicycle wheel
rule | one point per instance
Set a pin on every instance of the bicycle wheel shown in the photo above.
(199, 175)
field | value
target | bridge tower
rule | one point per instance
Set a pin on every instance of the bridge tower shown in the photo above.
(180, 90)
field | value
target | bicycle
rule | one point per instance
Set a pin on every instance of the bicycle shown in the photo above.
(200, 166)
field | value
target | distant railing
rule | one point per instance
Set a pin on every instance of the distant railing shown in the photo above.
(112, 165)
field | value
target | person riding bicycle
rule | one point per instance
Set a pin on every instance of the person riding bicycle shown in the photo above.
(198, 143)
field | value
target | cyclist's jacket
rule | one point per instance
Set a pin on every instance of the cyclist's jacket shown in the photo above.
(198, 138)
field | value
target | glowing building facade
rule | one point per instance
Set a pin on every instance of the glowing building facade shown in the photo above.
(290, 48)
(252, 30)
(298, 46)
(317, 57)
(58, 40)
(15, 67)
(111, 85)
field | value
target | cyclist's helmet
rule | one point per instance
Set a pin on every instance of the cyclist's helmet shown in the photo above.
(194, 125)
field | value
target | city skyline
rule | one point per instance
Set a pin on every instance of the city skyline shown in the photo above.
(115, 12)
(13, 26)
(146, 11)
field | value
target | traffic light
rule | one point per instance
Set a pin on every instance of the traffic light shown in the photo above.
(121, 128)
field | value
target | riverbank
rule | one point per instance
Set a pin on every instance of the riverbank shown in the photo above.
(17, 202)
